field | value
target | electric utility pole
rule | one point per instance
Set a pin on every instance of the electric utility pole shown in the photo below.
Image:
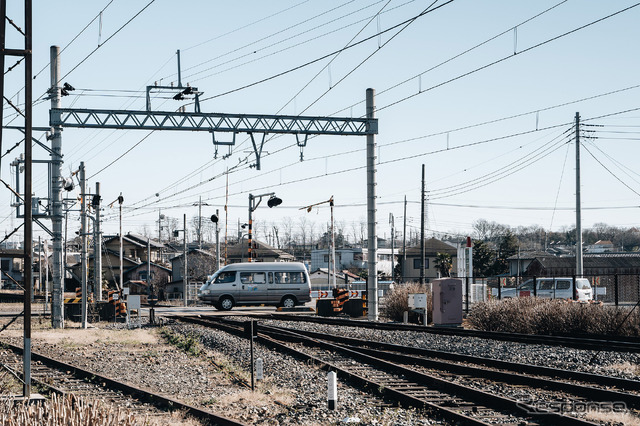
(83, 238)
(579, 270)
(404, 238)
(97, 247)
(422, 248)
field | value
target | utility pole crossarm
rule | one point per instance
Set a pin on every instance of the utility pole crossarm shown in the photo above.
(217, 122)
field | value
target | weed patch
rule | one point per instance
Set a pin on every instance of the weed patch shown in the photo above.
(397, 302)
(532, 315)
(188, 344)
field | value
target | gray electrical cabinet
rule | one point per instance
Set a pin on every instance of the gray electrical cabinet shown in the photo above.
(447, 301)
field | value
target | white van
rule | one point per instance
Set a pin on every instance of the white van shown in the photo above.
(283, 284)
(550, 288)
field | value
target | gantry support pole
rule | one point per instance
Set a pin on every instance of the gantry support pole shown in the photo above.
(57, 295)
(372, 281)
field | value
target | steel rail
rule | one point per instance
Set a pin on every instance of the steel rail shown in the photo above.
(159, 401)
(478, 396)
(617, 382)
(609, 343)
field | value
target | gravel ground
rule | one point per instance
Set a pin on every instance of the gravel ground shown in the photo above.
(292, 392)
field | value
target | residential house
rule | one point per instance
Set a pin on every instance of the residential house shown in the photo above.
(518, 263)
(260, 252)
(11, 268)
(322, 279)
(411, 268)
(600, 246)
(200, 264)
(136, 279)
(353, 258)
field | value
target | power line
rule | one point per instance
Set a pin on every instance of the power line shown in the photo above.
(306, 64)
(515, 54)
(107, 40)
(610, 172)
(461, 53)
(247, 25)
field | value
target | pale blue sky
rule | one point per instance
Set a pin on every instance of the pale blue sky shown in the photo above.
(474, 173)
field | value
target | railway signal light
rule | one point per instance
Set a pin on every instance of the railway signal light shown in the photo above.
(274, 201)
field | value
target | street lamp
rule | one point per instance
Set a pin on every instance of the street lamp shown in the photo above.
(331, 267)
(272, 202)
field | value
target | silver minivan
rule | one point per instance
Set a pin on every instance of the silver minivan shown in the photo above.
(551, 288)
(283, 284)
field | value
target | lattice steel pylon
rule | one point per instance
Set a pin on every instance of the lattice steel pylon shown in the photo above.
(26, 55)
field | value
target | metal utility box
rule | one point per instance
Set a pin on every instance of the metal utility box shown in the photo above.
(417, 301)
(447, 301)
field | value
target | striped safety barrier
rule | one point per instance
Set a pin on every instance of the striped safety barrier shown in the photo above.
(341, 296)
(328, 294)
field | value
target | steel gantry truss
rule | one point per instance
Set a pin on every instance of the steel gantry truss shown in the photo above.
(212, 122)
(301, 126)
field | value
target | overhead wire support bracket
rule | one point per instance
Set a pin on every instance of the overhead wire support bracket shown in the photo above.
(302, 144)
(257, 151)
(216, 143)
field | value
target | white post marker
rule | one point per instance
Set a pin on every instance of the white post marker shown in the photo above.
(259, 369)
(332, 390)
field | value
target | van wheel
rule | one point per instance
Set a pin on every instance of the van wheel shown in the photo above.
(288, 302)
(225, 304)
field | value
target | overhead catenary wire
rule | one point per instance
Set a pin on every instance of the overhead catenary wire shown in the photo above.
(406, 157)
(510, 56)
(313, 61)
(318, 176)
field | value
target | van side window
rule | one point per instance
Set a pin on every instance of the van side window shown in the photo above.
(253, 277)
(297, 277)
(225, 277)
(563, 285)
(546, 284)
(270, 277)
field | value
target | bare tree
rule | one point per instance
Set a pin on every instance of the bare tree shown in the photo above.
(287, 229)
(277, 239)
(303, 222)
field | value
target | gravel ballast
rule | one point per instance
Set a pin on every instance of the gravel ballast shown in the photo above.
(292, 392)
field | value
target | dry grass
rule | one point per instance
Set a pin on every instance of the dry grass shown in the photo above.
(66, 411)
(546, 316)
(397, 302)
(626, 419)
(626, 367)
(72, 336)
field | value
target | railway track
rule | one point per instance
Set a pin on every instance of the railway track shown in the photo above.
(54, 376)
(450, 390)
(591, 342)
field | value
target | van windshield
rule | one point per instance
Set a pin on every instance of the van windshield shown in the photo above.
(583, 284)
(225, 277)
(527, 285)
